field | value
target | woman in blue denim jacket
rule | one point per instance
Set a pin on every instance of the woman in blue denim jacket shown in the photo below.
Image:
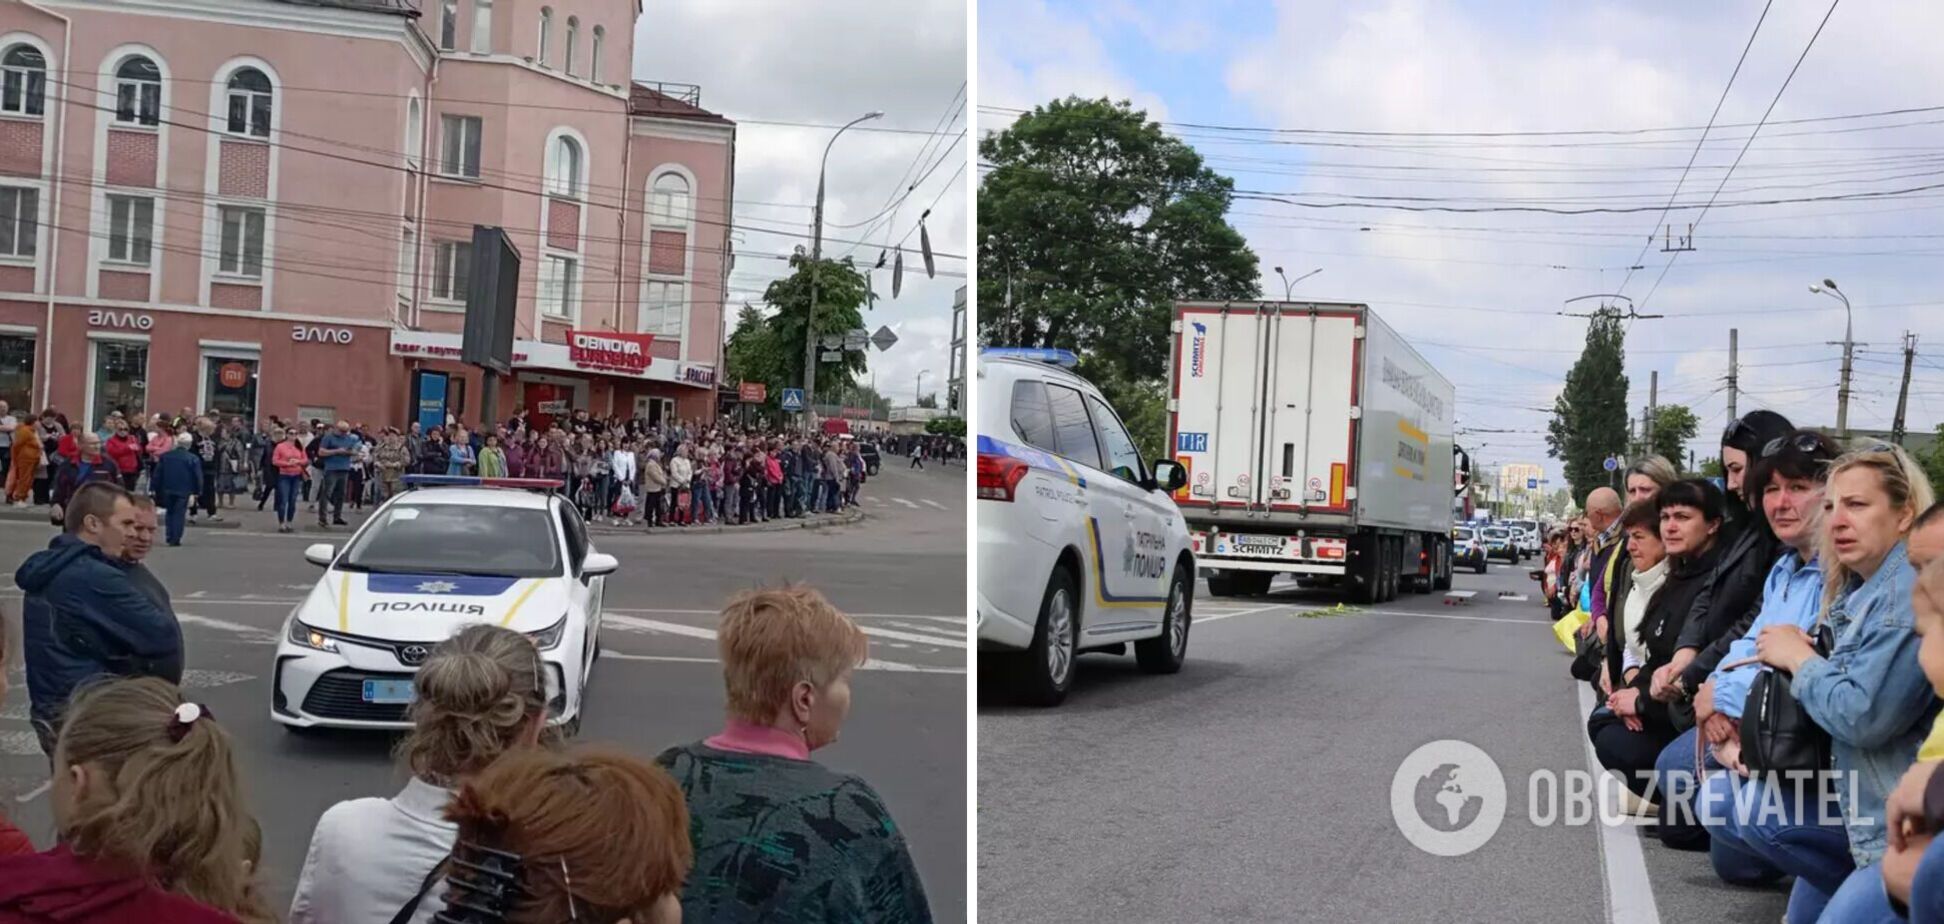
(1869, 693)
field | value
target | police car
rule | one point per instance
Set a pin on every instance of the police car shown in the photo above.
(449, 552)
(1080, 547)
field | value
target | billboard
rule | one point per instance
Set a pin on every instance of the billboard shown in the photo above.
(491, 301)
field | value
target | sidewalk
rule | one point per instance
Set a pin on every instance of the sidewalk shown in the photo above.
(245, 516)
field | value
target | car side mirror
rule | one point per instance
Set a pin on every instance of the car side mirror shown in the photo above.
(321, 554)
(1169, 475)
(599, 564)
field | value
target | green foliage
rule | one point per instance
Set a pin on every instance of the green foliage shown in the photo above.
(929, 401)
(1590, 416)
(946, 426)
(768, 348)
(1711, 468)
(1674, 425)
(1092, 222)
(1932, 460)
(1141, 403)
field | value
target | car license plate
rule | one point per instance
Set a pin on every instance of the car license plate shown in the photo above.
(1250, 545)
(388, 691)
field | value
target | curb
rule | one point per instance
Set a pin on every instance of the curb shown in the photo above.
(846, 518)
(39, 515)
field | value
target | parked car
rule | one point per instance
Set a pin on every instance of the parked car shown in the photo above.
(1466, 551)
(1499, 543)
(871, 458)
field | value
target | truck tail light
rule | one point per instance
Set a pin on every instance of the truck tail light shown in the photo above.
(999, 476)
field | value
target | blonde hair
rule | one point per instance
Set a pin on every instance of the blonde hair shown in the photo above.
(1657, 469)
(170, 808)
(602, 830)
(773, 639)
(475, 696)
(1902, 479)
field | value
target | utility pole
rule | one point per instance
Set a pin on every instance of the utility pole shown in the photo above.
(1653, 400)
(1734, 371)
(1903, 392)
(816, 263)
(1828, 288)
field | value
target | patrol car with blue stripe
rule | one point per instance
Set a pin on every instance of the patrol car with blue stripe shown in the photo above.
(448, 553)
(1080, 546)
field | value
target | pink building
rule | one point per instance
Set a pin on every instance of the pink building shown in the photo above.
(266, 206)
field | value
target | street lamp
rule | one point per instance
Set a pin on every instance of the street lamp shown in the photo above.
(1828, 288)
(816, 263)
(1291, 283)
(918, 388)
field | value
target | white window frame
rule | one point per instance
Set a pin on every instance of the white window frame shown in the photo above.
(124, 211)
(573, 39)
(145, 92)
(558, 183)
(546, 35)
(446, 274)
(414, 131)
(407, 261)
(446, 123)
(594, 56)
(482, 27)
(550, 284)
(669, 316)
(659, 214)
(31, 105)
(231, 93)
(448, 25)
(242, 214)
(25, 220)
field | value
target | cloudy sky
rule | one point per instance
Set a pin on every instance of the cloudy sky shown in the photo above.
(1478, 292)
(820, 65)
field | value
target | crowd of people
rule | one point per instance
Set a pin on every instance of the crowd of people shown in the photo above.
(498, 822)
(619, 472)
(1768, 661)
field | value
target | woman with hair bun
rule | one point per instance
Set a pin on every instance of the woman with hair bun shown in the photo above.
(596, 836)
(151, 822)
(479, 695)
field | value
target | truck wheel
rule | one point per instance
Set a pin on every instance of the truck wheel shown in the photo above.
(1254, 583)
(1365, 583)
(1393, 568)
(1441, 566)
(1164, 653)
(1048, 667)
(1220, 584)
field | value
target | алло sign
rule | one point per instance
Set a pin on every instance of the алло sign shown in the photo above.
(607, 351)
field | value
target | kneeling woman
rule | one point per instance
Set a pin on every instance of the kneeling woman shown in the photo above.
(1679, 525)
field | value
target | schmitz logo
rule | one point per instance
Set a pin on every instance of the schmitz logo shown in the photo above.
(1198, 351)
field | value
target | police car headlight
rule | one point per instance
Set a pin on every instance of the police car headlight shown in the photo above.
(549, 638)
(308, 637)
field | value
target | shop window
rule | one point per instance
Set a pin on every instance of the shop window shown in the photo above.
(138, 92)
(23, 81)
(230, 386)
(17, 371)
(120, 377)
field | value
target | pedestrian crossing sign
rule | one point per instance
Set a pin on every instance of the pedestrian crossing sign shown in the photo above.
(793, 399)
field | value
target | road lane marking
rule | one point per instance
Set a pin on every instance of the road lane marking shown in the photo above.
(701, 632)
(235, 628)
(871, 665)
(905, 502)
(1623, 867)
(36, 792)
(292, 601)
(1231, 614)
(1523, 622)
(928, 501)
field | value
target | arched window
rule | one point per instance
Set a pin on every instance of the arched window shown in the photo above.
(546, 34)
(564, 167)
(138, 92)
(573, 39)
(414, 131)
(594, 59)
(23, 81)
(250, 100)
(668, 204)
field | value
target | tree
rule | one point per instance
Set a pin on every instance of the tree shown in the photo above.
(1590, 416)
(1674, 425)
(753, 353)
(1092, 222)
(1932, 459)
(946, 426)
(1711, 468)
(841, 290)
(930, 401)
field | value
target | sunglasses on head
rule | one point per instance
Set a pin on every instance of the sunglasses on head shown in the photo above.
(1738, 432)
(1801, 442)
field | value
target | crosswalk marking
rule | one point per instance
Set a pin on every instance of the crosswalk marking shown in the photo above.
(933, 503)
(637, 624)
(905, 502)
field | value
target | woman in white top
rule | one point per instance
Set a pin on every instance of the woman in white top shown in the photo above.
(480, 695)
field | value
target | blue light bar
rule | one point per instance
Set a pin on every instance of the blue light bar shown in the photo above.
(474, 481)
(1056, 357)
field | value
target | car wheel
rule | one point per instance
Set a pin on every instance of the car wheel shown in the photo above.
(1048, 673)
(1164, 653)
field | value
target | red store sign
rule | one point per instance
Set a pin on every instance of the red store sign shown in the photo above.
(609, 351)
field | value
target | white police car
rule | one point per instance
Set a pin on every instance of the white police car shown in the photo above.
(450, 552)
(1080, 546)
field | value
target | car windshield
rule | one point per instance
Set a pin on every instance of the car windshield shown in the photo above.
(457, 539)
(1461, 533)
(1497, 533)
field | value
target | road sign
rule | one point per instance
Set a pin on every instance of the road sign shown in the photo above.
(831, 341)
(831, 356)
(884, 339)
(753, 392)
(1612, 464)
(1532, 484)
(856, 340)
(793, 399)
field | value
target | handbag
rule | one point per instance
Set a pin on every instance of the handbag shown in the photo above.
(1777, 734)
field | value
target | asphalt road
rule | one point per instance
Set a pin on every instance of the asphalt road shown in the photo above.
(1256, 784)
(901, 572)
